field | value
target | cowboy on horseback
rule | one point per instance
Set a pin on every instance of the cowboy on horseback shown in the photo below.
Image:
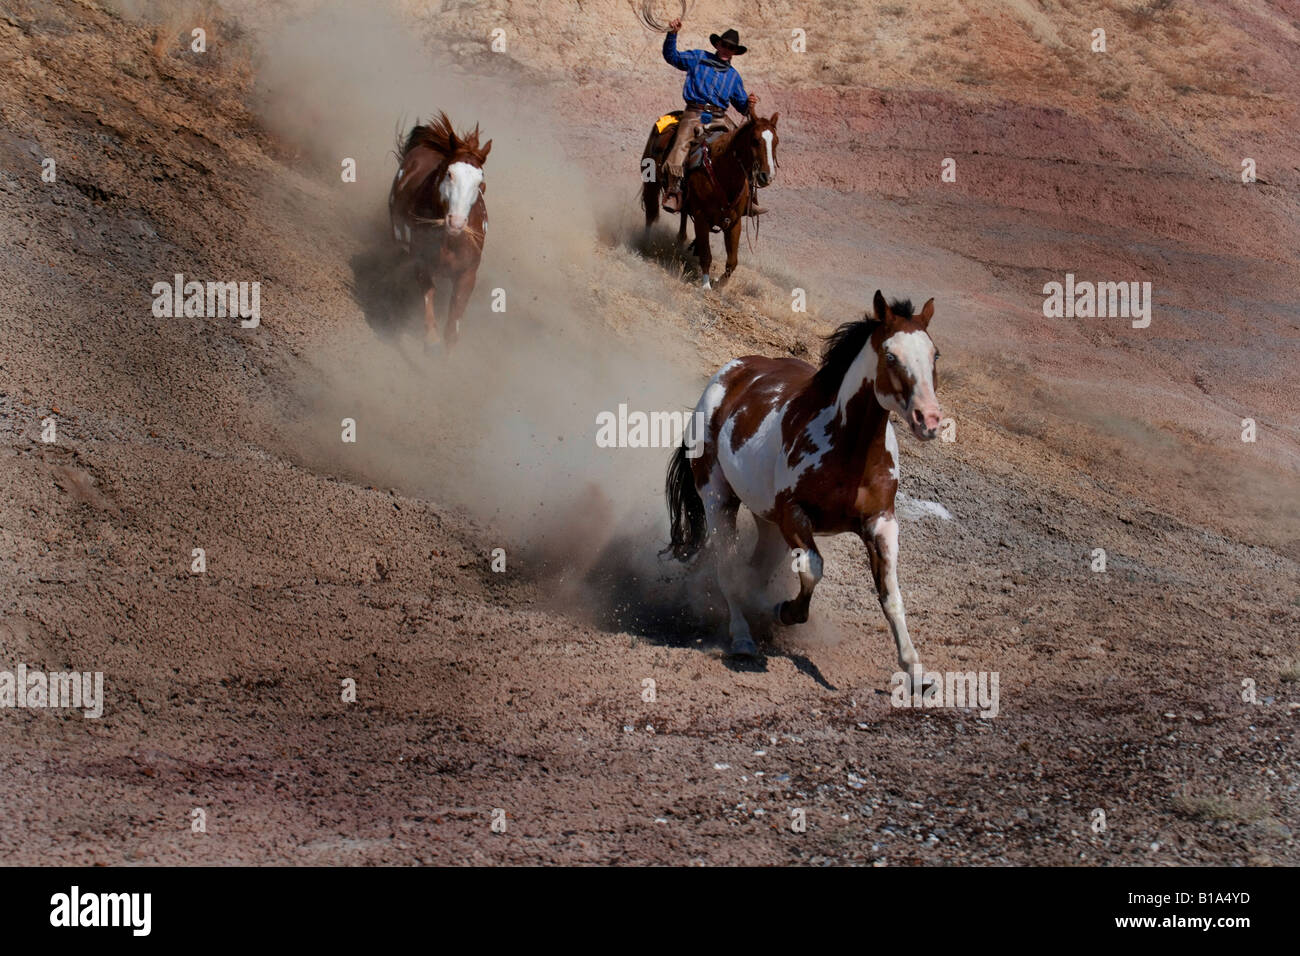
(712, 84)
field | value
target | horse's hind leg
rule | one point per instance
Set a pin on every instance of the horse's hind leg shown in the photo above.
(881, 538)
(720, 507)
(797, 530)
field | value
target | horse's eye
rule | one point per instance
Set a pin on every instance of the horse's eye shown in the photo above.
(936, 353)
(891, 358)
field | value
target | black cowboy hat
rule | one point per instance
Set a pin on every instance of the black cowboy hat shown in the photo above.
(729, 38)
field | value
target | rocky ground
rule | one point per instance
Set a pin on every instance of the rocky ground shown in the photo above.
(525, 690)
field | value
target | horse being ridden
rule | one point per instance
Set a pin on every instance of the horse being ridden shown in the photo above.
(439, 216)
(712, 84)
(809, 451)
(719, 190)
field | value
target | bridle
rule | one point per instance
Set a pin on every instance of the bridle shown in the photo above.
(751, 178)
(753, 190)
(441, 174)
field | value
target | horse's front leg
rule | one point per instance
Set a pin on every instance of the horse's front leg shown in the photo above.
(702, 251)
(881, 539)
(430, 320)
(769, 553)
(798, 533)
(681, 228)
(732, 238)
(460, 292)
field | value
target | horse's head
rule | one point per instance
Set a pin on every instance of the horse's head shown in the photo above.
(462, 179)
(765, 141)
(905, 365)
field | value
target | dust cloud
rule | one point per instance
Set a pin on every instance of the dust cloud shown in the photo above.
(503, 427)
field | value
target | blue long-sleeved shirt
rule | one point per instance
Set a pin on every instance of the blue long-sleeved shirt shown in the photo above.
(708, 79)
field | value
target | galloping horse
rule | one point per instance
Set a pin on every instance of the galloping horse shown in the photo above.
(718, 191)
(438, 214)
(809, 451)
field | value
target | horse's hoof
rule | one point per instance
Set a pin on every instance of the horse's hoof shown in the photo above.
(743, 647)
(707, 283)
(787, 617)
(916, 682)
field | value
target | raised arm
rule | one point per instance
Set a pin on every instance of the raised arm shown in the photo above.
(674, 56)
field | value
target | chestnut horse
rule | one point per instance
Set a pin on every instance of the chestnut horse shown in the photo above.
(716, 193)
(438, 214)
(809, 451)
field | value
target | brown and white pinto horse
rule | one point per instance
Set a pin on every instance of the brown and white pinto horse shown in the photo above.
(438, 214)
(809, 451)
(717, 193)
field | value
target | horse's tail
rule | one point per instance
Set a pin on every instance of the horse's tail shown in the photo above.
(650, 189)
(650, 202)
(685, 508)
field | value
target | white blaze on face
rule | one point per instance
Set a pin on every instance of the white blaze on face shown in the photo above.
(915, 354)
(771, 159)
(459, 190)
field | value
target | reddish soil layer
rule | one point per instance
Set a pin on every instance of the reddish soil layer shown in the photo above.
(523, 690)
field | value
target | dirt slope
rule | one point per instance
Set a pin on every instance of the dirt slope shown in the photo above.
(524, 690)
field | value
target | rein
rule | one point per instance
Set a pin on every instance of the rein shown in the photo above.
(753, 195)
(706, 160)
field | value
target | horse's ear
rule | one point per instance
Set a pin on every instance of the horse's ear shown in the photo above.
(484, 150)
(775, 117)
(927, 311)
(881, 307)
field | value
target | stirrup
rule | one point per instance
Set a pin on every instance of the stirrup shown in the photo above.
(673, 192)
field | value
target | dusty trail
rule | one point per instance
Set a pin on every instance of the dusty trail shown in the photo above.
(523, 690)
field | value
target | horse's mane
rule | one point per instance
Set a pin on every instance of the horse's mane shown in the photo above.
(439, 136)
(723, 143)
(844, 344)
